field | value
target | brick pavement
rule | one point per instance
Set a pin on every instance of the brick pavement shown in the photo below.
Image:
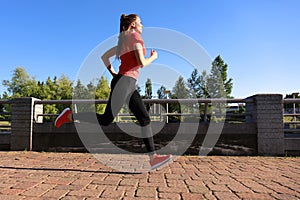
(33, 175)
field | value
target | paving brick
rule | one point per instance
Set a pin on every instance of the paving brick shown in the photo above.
(44, 186)
(47, 176)
(176, 183)
(284, 196)
(257, 196)
(10, 197)
(153, 184)
(217, 187)
(136, 198)
(6, 185)
(190, 196)
(11, 191)
(85, 193)
(149, 192)
(82, 182)
(129, 182)
(226, 195)
(256, 187)
(58, 181)
(57, 194)
(33, 192)
(129, 191)
(198, 189)
(238, 187)
(176, 176)
(24, 185)
(72, 198)
(174, 190)
(169, 196)
(209, 196)
(110, 193)
(68, 187)
(194, 182)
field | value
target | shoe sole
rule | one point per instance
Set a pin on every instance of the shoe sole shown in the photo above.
(160, 164)
(61, 114)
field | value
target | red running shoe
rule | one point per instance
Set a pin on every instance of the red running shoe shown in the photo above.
(63, 118)
(159, 160)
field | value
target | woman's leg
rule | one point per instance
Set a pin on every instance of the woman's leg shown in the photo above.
(137, 106)
(120, 90)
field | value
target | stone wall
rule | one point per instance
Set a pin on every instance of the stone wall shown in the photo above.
(267, 113)
(235, 139)
(24, 116)
(262, 134)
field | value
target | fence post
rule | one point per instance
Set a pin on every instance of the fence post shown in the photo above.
(267, 113)
(23, 116)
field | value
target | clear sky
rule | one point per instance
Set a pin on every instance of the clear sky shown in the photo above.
(258, 39)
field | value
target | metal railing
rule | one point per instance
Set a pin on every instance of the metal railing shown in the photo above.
(160, 108)
(291, 117)
(5, 117)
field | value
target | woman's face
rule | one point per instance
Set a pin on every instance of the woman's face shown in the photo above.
(138, 25)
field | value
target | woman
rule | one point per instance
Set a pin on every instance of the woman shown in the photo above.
(131, 52)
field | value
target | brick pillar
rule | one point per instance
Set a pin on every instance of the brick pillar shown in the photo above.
(267, 113)
(23, 116)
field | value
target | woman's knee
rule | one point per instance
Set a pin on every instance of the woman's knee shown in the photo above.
(145, 121)
(105, 121)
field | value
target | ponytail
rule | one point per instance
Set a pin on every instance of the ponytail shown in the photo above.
(125, 22)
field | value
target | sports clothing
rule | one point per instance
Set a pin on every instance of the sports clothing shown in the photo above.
(129, 64)
(123, 90)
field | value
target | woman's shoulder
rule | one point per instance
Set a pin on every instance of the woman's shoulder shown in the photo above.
(134, 35)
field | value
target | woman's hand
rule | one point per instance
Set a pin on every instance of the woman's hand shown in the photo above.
(114, 74)
(139, 54)
(154, 54)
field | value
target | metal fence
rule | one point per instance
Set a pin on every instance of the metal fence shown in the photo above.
(5, 117)
(160, 109)
(291, 117)
(260, 115)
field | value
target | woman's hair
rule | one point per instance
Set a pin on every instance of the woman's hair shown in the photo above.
(125, 23)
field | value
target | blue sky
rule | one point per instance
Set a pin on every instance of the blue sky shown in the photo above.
(258, 39)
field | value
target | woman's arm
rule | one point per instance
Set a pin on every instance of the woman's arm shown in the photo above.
(105, 58)
(139, 54)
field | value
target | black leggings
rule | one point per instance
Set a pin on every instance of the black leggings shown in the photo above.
(123, 90)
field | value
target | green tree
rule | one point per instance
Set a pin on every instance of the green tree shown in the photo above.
(138, 88)
(161, 92)
(148, 89)
(22, 85)
(218, 84)
(203, 93)
(1, 108)
(148, 93)
(19, 85)
(194, 85)
(179, 90)
(64, 88)
(98, 90)
(102, 92)
(80, 91)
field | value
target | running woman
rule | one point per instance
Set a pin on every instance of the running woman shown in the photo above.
(131, 52)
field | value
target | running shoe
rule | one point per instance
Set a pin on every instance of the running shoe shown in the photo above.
(159, 160)
(63, 118)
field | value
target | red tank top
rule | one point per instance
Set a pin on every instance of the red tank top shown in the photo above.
(129, 64)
